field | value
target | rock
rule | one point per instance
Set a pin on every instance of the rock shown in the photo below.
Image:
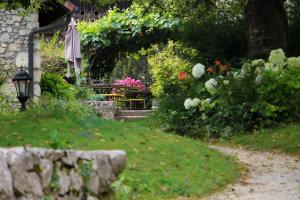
(6, 185)
(46, 167)
(16, 18)
(118, 159)
(2, 49)
(64, 182)
(70, 158)
(76, 180)
(54, 155)
(101, 175)
(4, 37)
(30, 173)
(23, 32)
(107, 109)
(91, 198)
(27, 184)
(14, 47)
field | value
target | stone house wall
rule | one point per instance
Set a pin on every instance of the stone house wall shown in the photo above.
(14, 30)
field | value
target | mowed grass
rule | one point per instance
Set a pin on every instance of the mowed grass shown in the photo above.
(160, 165)
(284, 139)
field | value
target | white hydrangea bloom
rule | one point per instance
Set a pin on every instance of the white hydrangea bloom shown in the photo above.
(226, 82)
(246, 68)
(258, 70)
(188, 103)
(277, 56)
(258, 62)
(195, 102)
(198, 70)
(294, 63)
(239, 75)
(269, 66)
(210, 85)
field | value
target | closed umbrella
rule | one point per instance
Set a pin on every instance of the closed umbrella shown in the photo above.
(72, 45)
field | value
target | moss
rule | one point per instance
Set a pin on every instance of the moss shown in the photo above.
(85, 170)
(54, 179)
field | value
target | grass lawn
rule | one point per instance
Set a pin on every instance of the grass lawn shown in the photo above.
(160, 165)
(285, 139)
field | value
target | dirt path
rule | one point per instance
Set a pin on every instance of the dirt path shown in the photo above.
(270, 177)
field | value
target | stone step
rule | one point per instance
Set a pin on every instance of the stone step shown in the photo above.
(128, 118)
(141, 113)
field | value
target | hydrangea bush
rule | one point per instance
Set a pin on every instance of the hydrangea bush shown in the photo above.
(259, 94)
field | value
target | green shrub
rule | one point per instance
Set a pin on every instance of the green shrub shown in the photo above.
(166, 64)
(261, 94)
(49, 107)
(97, 97)
(3, 76)
(52, 55)
(55, 86)
(6, 97)
(83, 92)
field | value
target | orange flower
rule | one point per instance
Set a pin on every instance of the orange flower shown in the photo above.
(218, 62)
(210, 69)
(182, 76)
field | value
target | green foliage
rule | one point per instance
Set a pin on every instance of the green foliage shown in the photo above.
(261, 94)
(83, 92)
(48, 107)
(165, 65)
(125, 31)
(285, 138)
(219, 32)
(54, 179)
(3, 75)
(55, 86)
(85, 170)
(52, 55)
(6, 97)
(97, 97)
(152, 171)
(133, 65)
(53, 140)
(293, 7)
(118, 28)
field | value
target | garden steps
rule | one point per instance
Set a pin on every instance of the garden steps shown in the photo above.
(132, 114)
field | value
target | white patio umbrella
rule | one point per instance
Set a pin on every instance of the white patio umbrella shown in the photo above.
(72, 50)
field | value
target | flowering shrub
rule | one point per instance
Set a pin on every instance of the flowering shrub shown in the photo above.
(169, 66)
(131, 82)
(198, 70)
(277, 57)
(260, 94)
(210, 85)
(182, 75)
(191, 103)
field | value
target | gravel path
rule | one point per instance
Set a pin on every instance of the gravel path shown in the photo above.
(269, 177)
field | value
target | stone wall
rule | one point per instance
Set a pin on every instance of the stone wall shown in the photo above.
(107, 109)
(38, 174)
(14, 30)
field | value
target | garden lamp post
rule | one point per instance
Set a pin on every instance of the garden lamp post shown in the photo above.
(22, 83)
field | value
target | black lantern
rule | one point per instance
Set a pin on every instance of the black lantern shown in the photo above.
(22, 82)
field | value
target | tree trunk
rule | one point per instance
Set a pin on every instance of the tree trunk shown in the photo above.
(267, 27)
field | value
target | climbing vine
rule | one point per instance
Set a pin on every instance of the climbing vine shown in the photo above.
(120, 32)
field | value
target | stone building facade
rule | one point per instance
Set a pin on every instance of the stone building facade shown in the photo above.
(14, 30)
